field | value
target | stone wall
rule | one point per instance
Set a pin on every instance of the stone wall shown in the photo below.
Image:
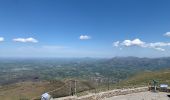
(102, 95)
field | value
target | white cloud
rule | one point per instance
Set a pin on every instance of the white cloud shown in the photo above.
(139, 43)
(135, 42)
(24, 40)
(1, 39)
(160, 49)
(167, 34)
(158, 44)
(84, 37)
(116, 44)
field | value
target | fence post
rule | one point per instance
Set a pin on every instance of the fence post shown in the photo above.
(75, 84)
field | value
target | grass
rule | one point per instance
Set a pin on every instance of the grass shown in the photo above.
(33, 90)
(28, 90)
(143, 79)
(139, 80)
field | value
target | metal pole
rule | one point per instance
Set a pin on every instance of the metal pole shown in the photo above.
(108, 84)
(75, 90)
(96, 85)
(70, 88)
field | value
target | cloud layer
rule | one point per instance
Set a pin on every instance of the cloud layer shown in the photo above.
(25, 40)
(139, 43)
(84, 37)
(1, 39)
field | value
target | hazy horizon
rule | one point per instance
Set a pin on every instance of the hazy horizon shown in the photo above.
(81, 57)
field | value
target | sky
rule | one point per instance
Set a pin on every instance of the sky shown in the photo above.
(84, 28)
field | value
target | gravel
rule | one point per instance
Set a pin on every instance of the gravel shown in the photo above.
(142, 96)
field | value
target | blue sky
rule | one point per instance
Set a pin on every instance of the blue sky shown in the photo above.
(84, 28)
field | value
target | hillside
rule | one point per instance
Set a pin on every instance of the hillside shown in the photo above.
(28, 90)
(33, 90)
(142, 79)
(139, 80)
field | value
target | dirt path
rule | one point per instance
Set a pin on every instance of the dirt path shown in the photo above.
(142, 96)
